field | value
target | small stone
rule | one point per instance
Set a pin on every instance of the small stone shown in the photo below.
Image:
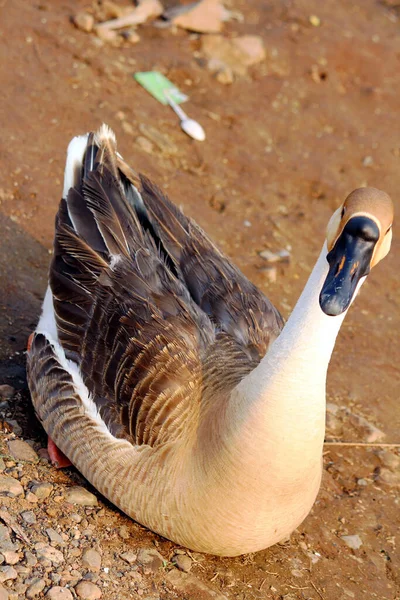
(54, 536)
(11, 557)
(29, 517)
(206, 16)
(10, 487)
(315, 21)
(150, 558)
(123, 532)
(76, 518)
(352, 541)
(30, 559)
(275, 257)
(43, 454)
(35, 588)
(368, 161)
(15, 426)
(91, 559)
(362, 482)
(183, 562)
(83, 21)
(31, 497)
(42, 490)
(3, 593)
(107, 35)
(49, 553)
(79, 495)
(20, 450)
(224, 75)
(88, 590)
(6, 391)
(129, 557)
(7, 573)
(59, 593)
(271, 273)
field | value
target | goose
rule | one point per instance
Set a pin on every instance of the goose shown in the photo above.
(167, 378)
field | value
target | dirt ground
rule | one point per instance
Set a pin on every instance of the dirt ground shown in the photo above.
(285, 144)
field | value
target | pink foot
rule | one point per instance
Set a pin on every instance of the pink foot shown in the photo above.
(58, 459)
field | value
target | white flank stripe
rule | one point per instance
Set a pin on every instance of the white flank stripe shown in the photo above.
(47, 327)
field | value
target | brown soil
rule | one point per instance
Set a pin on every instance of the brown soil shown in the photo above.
(285, 144)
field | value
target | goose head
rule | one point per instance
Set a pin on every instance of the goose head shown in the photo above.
(358, 236)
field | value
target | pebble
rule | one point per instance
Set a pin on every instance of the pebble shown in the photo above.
(150, 558)
(15, 426)
(3, 593)
(7, 573)
(6, 391)
(54, 536)
(79, 495)
(49, 553)
(274, 257)
(91, 559)
(29, 517)
(11, 557)
(352, 541)
(42, 490)
(123, 532)
(88, 590)
(10, 487)
(30, 559)
(183, 562)
(21, 450)
(59, 593)
(84, 21)
(129, 557)
(206, 16)
(31, 497)
(35, 588)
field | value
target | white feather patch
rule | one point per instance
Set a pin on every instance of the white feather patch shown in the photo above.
(75, 153)
(47, 326)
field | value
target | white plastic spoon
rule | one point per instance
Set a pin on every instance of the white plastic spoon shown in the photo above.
(189, 126)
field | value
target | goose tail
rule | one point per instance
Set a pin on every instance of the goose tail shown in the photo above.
(95, 203)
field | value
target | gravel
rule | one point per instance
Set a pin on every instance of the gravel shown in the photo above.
(88, 591)
(10, 487)
(352, 541)
(78, 495)
(35, 588)
(21, 450)
(59, 593)
(91, 559)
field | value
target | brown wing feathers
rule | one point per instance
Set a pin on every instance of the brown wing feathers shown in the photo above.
(140, 294)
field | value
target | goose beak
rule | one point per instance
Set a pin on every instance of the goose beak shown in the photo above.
(349, 261)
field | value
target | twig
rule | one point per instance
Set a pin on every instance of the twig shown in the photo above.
(317, 590)
(365, 444)
(12, 524)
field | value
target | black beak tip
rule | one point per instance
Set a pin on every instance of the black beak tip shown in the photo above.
(331, 305)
